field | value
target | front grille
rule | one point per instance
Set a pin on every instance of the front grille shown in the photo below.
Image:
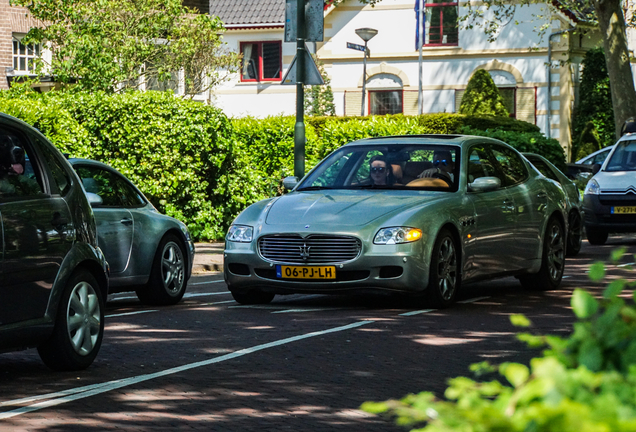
(618, 200)
(313, 249)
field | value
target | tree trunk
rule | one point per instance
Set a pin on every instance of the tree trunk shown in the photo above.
(612, 24)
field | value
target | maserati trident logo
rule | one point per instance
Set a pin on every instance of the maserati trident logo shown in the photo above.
(304, 251)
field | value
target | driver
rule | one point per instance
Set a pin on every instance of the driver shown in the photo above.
(380, 171)
(443, 166)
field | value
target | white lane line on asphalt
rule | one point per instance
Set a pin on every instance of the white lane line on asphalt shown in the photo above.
(473, 300)
(306, 310)
(216, 303)
(625, 265)
(123, 298)
(266, 307)
(565, 277)
(130, 313)
(208, 282)
(417, 312)
(205, 294)
(95, 389)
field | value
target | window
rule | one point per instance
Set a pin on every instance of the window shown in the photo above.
(61, 178)
(509, 96)
(24, 56)
(512, 167)
(262, 61)
(18, 175)
(441, 22)
(385, 102)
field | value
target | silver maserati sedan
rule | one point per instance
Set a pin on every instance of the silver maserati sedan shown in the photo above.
(147, 252)
(418, 215)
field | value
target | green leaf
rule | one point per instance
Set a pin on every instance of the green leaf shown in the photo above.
(614, 288)
(583, 304)
(617, 254)
(591, 355)
(597, 271)
(519, 320)
(515, 373)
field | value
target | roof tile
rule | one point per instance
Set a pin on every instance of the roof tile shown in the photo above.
(249, 11)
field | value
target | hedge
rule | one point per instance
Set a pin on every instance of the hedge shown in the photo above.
(195, 164)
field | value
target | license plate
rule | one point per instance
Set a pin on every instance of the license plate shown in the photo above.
(624, 210)
(305, 272)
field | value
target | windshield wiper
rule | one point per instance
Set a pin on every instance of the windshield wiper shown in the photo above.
(308, 188)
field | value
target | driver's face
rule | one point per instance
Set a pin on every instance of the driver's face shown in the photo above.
(379, 172)
(443, 161)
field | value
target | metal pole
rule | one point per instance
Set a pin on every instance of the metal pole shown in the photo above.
(364, 77)
(420, 42)
(299, 127)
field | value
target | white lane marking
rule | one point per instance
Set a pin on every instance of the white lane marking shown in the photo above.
(123, 298)
(565, 277)
(472, 300)
(625, 265)
(130, 313)
(95, 389)
(417, 312)
(188, 295)
(208, 282)
(216, 303)
(266, 307)
(305, 310)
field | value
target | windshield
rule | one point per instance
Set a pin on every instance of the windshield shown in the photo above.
(404, 166)
(624, 157)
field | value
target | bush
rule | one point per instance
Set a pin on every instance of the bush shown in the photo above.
(482, 96)
(588, 142)
(586, 382)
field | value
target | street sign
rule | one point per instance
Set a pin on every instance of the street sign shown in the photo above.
(314, 20)
(312, 74)
(355, 46)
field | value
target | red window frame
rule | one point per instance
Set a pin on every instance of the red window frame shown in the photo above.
(259, 45)
(401, 91)
(441, 24)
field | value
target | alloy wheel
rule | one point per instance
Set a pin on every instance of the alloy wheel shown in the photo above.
(172, 267)
(556, 251)
(83, 318)
(447, 269)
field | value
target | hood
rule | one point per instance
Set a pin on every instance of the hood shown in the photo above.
(616, 181)
(342, 207)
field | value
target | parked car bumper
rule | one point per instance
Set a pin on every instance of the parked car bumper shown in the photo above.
(598, 214)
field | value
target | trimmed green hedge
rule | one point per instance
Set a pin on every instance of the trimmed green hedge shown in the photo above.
(197, 165)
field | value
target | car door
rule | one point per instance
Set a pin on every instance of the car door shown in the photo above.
(115, 227)
(492, 237)
(525, 197)
(37, 228)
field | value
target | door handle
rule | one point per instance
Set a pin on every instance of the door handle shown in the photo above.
(126, 221)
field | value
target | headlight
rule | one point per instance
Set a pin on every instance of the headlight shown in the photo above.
(592, 188)
(396, 235)
(240, 233)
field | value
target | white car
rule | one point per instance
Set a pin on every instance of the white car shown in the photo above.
(609, 202)
(582, 168)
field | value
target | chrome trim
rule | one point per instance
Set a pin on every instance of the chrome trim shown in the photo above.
(312, 249)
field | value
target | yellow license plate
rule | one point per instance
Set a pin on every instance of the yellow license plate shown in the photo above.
(305, 272)
(624, 210)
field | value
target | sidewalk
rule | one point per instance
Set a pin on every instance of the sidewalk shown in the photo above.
(208, 257)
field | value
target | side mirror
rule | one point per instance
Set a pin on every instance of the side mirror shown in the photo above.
(93, 199)
(290, 182)
(484, 184)
(596, 168)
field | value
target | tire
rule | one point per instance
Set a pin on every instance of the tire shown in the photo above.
(575, 235)
(444, 272)
(79, 325)
(552, 260)
(167, 282)
(252, 297)
(596, 236)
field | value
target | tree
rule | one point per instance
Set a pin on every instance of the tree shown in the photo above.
(482, 96)
(319, 98)
(595, 104)
(607, 14)
(112, 45)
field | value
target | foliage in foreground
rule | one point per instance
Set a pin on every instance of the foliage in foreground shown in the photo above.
(583, 383)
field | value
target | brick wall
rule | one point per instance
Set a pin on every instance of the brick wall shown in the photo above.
(6, 50)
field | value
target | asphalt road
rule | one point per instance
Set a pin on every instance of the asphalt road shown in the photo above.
(302, 363)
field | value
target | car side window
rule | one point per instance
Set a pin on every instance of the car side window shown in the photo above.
(479, 164)
(60, 177)
(600, 158)
(512, 167)
(129, 196)
(19, 174)
(544, 169)
(102, 183)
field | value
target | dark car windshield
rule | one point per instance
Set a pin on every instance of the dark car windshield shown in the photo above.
(378, 167)
(624, 157)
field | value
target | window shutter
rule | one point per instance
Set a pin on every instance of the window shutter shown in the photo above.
(459, 94)
(526, 105)
(410, 102)
(353, 103)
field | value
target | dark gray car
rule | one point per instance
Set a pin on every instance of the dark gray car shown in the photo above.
(53, 277)
(148, 252)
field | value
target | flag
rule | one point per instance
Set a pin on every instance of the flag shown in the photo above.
(419, 26)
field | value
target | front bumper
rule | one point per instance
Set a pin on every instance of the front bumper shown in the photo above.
(388, 268)
(597, 212)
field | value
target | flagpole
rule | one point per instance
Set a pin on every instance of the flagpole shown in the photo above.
(420, 42)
